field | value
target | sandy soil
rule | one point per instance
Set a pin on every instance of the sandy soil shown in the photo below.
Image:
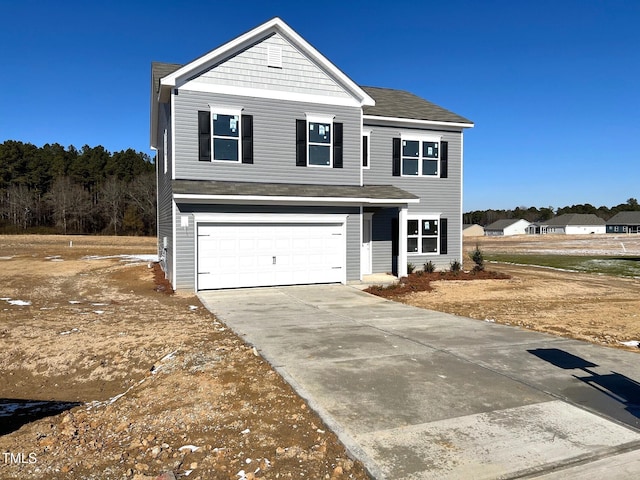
(137, 374)
(596, 308)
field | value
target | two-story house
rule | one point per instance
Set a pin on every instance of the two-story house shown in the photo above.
(275, 168)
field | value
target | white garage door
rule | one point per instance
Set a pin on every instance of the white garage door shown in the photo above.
(234, 255)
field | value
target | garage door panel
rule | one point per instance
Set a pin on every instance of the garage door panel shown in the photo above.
(242, 255)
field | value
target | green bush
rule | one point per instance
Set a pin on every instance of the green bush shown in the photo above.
(429, 267)
(410, 268)
(455, 267)
(478, 259)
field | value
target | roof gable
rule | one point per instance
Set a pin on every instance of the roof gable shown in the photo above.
(211, 66)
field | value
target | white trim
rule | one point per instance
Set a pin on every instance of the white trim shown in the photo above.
(231, 111)
(416, 121)
(173, 137)
(241, 42)
(461, 260)
(366, 133)
(165, 146)
(402, 242)
(420, 138)
(203, 218)
(205, 87)
(316, 119)
(368, 216)
(419, 219)
(285, 199)
(174, 250)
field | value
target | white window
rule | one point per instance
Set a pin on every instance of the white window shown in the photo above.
(420, 156)
(423, 235)
(225, 134)
(320, 141)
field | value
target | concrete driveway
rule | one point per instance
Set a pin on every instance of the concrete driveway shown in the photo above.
(417, 394)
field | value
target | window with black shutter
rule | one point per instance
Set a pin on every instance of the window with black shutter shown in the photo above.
(247, 138)
(337, 145)
(444, 242)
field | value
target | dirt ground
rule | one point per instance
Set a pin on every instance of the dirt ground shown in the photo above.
(146, 382)
(596, 308)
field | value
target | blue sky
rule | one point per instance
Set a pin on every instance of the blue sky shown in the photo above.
(553, 87)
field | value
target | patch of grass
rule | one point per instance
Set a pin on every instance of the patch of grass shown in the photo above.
(615, 266)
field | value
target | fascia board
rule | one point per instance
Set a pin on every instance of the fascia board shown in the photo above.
(299, 200)
(274, 25)
(396, 120)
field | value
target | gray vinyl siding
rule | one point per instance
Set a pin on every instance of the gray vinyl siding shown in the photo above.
(441, 196)
(274, 141)
(382, 260)
(165, 204)
(185, 238)
(249, 69)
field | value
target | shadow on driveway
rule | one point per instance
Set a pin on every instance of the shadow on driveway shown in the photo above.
(613, 385)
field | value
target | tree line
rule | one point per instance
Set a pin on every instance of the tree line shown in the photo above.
(53, 189)
(534, 214)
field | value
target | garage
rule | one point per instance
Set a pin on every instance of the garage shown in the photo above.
(278, 252)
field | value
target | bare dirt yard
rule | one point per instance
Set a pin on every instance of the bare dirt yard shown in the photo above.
(104, 376)
(597, 308)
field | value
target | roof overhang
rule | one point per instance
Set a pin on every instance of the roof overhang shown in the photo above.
(203, 191)
(275, 25)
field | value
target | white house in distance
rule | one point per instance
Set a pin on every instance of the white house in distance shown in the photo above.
(507, 227)
(570, 224)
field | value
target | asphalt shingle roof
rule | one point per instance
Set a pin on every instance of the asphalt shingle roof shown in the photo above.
(207, 187)
(625, 218)
(575, 219)
(402, 104)
(389, 102)
(502, 224)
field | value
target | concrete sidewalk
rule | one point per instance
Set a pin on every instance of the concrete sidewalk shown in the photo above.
(417, 394)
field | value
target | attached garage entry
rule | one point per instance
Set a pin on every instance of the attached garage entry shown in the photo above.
(265, 253)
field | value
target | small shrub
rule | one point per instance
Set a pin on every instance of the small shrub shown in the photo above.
(410, 268)
(478, 259)
(455, 267)
(429, 267)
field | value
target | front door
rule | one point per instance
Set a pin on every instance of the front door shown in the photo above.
(365, 256)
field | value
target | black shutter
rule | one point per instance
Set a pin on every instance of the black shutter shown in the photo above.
(395, 232)
(444, 159)
(396, 157)
(247, 138)
(301, 143)
(443, 236)
(337, 145)
(365, 151)
(204, 136)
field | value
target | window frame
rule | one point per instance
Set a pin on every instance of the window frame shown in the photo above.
(366, 137)
(419, 236)
(232, 111)
(421, 157)
(320, 119)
